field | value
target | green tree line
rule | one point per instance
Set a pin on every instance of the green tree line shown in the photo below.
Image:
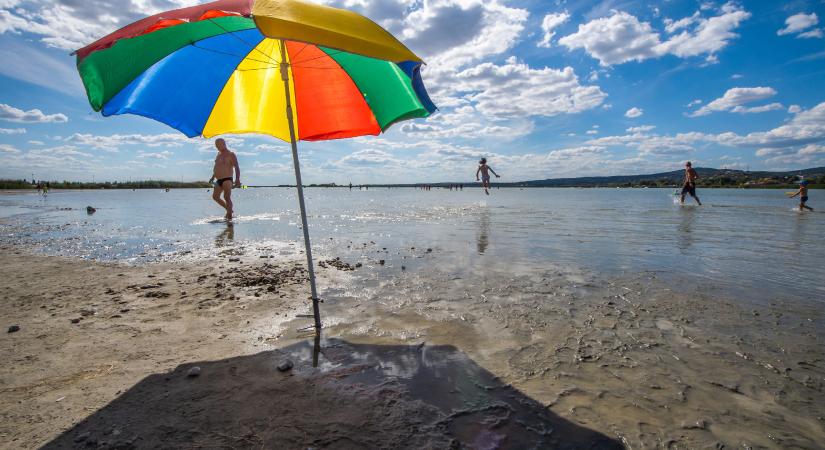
(146, 184)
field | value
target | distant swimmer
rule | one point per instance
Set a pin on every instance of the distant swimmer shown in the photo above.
(483, 168)
(222, 173)
(689, 186)
(803, 195)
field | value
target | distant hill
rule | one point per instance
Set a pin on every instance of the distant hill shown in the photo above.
(708, 177)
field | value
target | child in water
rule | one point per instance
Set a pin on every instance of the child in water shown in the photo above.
(803, 195)
(485, 176)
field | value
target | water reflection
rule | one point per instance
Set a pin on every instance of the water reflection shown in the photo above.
(685, 231)
(225, 238)
(483, 237)
(799, 231)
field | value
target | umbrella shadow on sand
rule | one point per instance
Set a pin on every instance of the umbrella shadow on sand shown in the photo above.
(337, 395)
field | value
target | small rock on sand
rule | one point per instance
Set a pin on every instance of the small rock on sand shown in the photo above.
(193, 372)
(284, 366)
(14, 328)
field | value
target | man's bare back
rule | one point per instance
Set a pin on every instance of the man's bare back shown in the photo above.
(225, 164)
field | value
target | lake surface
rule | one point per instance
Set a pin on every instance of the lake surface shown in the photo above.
(751, 244)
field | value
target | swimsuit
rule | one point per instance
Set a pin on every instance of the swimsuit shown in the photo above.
(689, 189)
(219, 183)
(485, 178)
(804, 199)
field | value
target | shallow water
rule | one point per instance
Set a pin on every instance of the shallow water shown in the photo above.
(747, 243)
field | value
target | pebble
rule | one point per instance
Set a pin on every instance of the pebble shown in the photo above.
(698, 425)
(193, 372)
(284, 366)
(14, 328)
(76, 320)
(81, 437)
(381, 261)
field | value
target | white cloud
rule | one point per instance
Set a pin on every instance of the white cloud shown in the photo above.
(370, 157)
(115, 141)
(757, 109)
(805, 128)
(11, 114)
(517, 90)
(449, 34)
(709, 36)
(793, 109)
(6, 148)
(272, 148)
(634, 112)
(694, 103)
(736, 76)
(815, 33)
(622, 37)
(615, 39)
(798, 23)
(71, 24)
(734, 99)
(12, 131)
(549, 25)
(641, 129)
(672, 26)
(155, 155)
(61, 150)
(37, 142)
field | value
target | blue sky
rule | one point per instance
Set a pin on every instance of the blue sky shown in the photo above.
(543, 89)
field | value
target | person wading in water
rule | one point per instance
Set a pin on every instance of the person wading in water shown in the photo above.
(222, 173)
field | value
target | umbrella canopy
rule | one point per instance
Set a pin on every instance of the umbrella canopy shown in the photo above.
(289, 69)
(214, 69)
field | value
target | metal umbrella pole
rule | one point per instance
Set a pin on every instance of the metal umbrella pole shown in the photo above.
(289, 115)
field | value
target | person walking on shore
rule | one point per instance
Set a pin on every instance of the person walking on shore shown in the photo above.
(483, 168)
(689, 186)
(803, 195)
(225, 162)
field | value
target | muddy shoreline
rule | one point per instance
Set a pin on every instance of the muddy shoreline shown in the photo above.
(629, 359)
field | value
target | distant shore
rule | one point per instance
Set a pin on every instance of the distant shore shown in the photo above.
(708, 178)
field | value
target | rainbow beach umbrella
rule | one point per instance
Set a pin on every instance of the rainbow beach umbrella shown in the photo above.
(285, 68)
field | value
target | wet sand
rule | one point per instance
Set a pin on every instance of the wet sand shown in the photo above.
(515, 358)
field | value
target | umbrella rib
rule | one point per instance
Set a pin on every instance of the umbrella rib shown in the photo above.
(325, 55)
(275, 65)
(293, 58)
(253, 47)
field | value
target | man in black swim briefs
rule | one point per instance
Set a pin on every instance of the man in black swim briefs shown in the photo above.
(225, 162)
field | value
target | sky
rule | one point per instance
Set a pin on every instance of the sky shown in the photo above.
(541, 88)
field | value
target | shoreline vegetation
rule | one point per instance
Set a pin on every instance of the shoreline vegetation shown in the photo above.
(708, 178)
